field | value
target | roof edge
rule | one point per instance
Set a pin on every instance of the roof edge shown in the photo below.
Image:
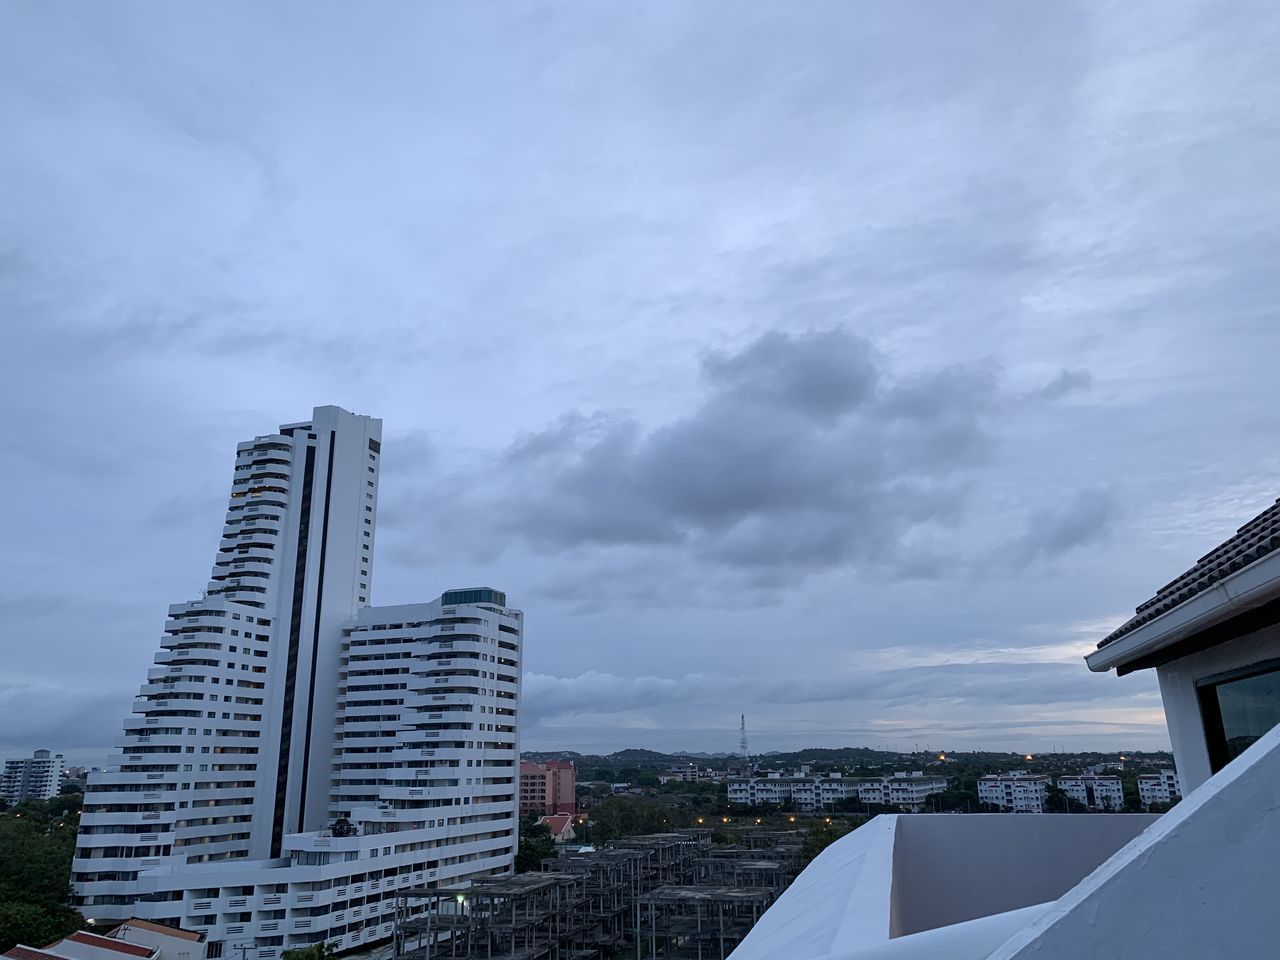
(1250, 587)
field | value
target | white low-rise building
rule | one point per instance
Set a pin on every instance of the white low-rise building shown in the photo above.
(1159, 787)
(908, 791)
(1018, 791)
(1096, 791)
(813, 794)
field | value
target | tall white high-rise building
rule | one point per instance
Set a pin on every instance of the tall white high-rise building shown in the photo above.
(295, 755)
(31, 778)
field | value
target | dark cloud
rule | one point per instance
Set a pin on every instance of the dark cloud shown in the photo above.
(77, 723)
(1080, 520)
(1068, 381)
(805, 450)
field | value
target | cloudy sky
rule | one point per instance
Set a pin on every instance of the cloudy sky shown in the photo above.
(853, 366)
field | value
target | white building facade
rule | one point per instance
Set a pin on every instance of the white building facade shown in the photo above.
(1162, 787)
(1095, 791)
(33, 778)
(813, 794)
(1016, 791)
(295, 756)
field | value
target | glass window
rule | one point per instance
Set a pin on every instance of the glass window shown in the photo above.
(1239, 709)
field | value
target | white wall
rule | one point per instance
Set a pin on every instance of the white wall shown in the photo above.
(1182, 708)
(952, 868)
(1200, 883)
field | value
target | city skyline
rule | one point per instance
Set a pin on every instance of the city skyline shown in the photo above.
(810, 368)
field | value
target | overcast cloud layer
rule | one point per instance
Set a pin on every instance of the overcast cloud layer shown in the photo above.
(853, 367)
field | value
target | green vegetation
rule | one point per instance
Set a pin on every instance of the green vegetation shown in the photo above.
(823, 833)
(37, 840)
(1057, 801)
(536, 845)
(616, 817)
(317, 951)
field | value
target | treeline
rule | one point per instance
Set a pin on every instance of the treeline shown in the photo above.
(37, 841)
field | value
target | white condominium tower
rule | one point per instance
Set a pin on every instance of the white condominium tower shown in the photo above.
(296, 756)
(34, 778)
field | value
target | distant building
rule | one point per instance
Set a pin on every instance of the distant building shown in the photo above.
(1017, 790)
(906, 790)
(1162, 787)
(36, 778)
(813, 793)
(1095, 791)
(547, 788)
(686, 773)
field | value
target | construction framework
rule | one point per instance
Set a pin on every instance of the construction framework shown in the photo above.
(657, 895)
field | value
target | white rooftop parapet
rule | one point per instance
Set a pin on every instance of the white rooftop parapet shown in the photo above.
(840, 900)
(1202, 882)
(948, 885)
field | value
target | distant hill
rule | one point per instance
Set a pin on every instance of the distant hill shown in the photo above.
(642, 759)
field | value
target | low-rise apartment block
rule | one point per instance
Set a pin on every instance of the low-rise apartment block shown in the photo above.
(1162, 787)
(1017, 790)
(1095, 791)
(813, 793)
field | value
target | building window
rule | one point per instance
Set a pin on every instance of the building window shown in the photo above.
(1238, 708)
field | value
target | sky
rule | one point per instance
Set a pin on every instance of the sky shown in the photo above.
(853, 367)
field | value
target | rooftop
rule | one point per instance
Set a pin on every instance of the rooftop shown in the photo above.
(1253, 541)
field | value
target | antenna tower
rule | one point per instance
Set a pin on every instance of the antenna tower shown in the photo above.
(742, 740)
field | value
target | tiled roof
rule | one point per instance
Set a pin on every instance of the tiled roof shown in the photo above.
(141, 924)
(27, 953)
(557, 823)
(1257, 538)
(107, 943)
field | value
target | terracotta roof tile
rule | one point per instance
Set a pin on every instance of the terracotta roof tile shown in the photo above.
(151, 925)
(1257, 538)
(29, 953)
(107, 943)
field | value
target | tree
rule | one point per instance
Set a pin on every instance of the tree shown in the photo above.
(1057, 801)
(35, 925)
(627, 817)
(37, 839)
(536, 845)
(317, 951)
(820, 836)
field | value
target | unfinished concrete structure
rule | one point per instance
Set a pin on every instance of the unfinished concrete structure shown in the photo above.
(658, 895)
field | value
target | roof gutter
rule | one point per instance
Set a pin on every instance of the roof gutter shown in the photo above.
(1245, 589)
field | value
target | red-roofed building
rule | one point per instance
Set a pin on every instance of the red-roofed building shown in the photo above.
(132, 940)
(560, 825)
(28, 953)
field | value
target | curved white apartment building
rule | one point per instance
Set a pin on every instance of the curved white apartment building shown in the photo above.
(296, 756)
